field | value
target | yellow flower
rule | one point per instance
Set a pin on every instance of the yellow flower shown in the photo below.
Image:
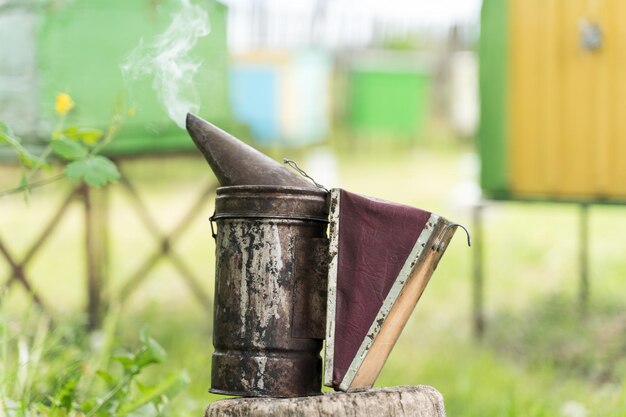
(132, 111)
(63, 104)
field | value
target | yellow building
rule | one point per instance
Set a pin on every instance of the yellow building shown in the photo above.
(553, 99)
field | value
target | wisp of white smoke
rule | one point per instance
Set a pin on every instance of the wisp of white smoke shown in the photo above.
(168, 62)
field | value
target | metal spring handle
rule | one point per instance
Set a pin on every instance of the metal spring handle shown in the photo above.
(437, 246)
(295, 166)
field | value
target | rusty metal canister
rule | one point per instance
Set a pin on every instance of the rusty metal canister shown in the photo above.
(270, 290)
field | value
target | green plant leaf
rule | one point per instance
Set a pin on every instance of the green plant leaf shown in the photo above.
(88, 136)
(25, 186)
(5, 130)
(142, 388)
(107, 377)
(65, 396)
(43, 409)
(88, 404)
(7, 136)
(95, 170)
(26, 158)
(169, 387)
(68, 149)
(128, 361)
(31, 161)
(150, 353)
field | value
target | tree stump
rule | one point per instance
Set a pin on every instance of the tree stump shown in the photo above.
(417, 401)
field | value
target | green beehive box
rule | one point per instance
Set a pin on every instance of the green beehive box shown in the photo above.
(389, 95)
(77, 47)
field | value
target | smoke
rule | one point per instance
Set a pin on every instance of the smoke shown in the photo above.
(168, 62)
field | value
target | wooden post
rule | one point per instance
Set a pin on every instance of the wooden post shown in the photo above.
(583, 255)
(477, 287)
(417, 401)
(96, 243)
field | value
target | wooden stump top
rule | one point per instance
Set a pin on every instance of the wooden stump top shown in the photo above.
(405, 401)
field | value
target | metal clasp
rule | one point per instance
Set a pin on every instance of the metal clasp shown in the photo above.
(211, 220)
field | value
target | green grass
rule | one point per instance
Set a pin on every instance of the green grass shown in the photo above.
(539, 356)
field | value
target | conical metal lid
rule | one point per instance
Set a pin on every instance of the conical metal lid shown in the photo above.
(236, 163)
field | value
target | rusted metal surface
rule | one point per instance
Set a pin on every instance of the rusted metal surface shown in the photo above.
(235, 163)
(271, 202)
(310, 288)
(271, 269)
(271, 264)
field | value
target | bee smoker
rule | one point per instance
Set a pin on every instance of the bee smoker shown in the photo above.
(270, 274)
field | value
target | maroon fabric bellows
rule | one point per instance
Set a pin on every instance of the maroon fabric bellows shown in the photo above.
(374, 245)
(375, 240)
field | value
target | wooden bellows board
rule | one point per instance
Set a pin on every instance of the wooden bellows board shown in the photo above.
(382, 256)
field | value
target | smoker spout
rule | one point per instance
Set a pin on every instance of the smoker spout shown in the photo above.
(236, 163)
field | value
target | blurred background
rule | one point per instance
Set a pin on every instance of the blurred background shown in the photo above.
(504, 115)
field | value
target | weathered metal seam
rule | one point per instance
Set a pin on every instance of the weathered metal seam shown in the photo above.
(333, 250)
(244, 216)
(396, 289)
(255, 195)
(265, 219)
